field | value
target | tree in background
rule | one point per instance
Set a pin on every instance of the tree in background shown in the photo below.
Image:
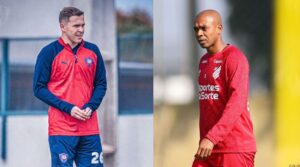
(135, 21)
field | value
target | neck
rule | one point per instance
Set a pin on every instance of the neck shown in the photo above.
(68, 41)
(217, 47)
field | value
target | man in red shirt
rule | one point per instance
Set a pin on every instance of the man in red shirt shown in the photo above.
(226, 130)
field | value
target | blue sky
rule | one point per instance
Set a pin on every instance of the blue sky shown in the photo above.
(127, 5)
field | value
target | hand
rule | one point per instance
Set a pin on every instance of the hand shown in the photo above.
(205, 149)
(77, 113)
(88, 112)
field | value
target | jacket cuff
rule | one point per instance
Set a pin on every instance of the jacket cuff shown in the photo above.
(212, 139)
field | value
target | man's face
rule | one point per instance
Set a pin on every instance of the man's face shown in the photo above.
(207, 31)
(73, 29)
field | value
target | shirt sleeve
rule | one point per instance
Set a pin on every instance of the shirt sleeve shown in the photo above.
(42, 73)
(99, 84)
(237, 77)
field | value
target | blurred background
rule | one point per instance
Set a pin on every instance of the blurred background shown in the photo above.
(123, 31)
(267, 32)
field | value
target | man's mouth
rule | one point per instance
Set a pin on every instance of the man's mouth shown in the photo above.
(201, 41)
(79, 35)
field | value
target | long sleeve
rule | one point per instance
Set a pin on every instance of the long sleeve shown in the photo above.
(99, 83)
(41, 78)
(237, 74)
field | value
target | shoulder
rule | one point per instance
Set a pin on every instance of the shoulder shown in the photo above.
(91, 46)
(49, 48)
(203, 57)
(235, 55)
(53, 48)
(48, 53)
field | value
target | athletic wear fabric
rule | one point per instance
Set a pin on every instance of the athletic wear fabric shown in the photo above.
(227, 160)
(65, 77)
(223, 98)
(86, 151)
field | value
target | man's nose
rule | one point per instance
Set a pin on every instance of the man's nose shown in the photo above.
(199, 32)
(81, 29)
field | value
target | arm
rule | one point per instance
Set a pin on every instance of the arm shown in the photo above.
(99, 84)
(238, 76)
(41, 78)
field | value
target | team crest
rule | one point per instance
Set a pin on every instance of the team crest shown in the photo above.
(216, 73)
(63, 157)
(88, 61)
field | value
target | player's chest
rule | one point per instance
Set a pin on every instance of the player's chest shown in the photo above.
(69, 64)
(211, 71)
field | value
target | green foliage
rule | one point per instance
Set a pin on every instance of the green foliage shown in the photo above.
(135, 21)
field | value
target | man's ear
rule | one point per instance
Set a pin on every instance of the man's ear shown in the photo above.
(62, 26)
(220, 28)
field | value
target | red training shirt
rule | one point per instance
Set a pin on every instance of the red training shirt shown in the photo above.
(223, 99)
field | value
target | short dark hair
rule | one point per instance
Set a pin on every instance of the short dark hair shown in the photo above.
(67, 12)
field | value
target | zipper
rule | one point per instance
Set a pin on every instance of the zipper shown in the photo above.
(76, 58)
(76, 55)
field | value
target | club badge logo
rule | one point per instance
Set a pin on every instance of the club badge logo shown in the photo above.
(216, 72)
(88, 61)
(63, 157)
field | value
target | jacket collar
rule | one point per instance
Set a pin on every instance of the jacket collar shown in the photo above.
(67, 46)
